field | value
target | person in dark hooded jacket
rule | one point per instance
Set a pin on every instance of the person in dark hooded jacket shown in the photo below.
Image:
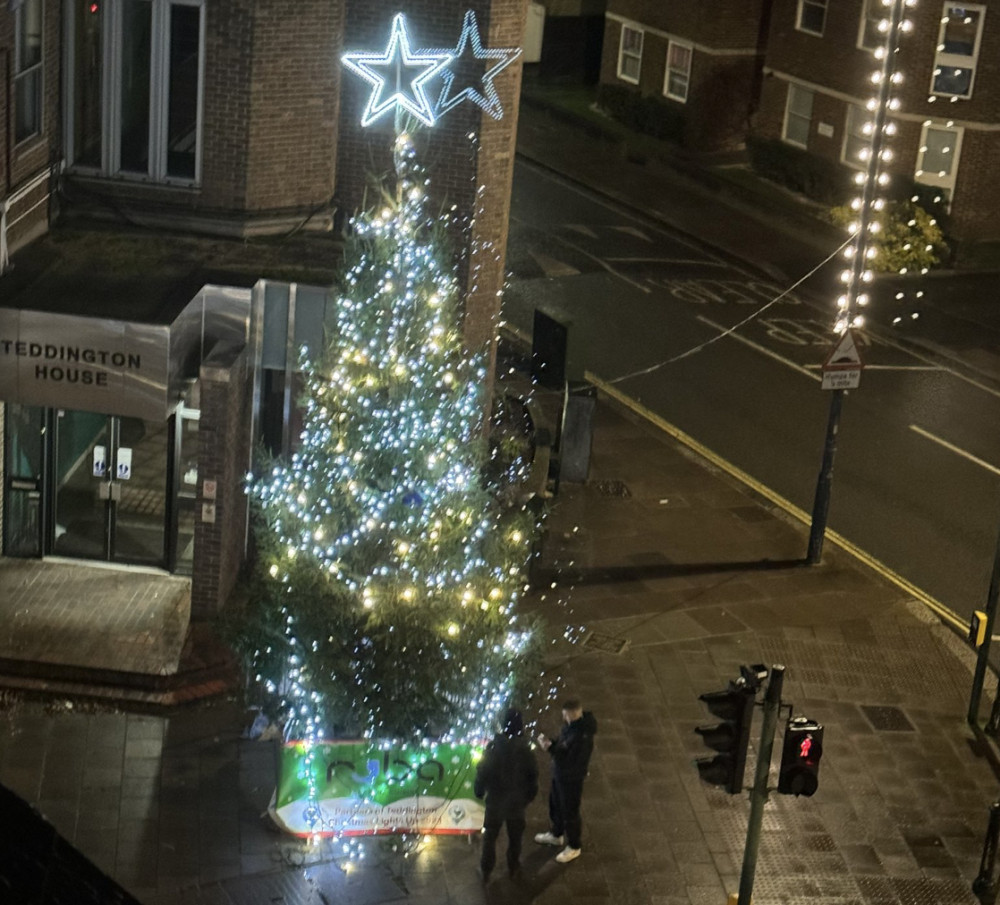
(508, 778)
(570, 763)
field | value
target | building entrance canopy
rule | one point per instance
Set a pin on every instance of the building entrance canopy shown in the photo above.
(115, 367)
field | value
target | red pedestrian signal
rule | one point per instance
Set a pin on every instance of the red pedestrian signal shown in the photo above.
(800, 756)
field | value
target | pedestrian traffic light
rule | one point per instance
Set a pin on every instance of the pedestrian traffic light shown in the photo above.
(730, 738)
(803, 747)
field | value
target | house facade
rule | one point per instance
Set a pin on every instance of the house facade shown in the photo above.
(703, 59)
(817, 80)
(145, 142)
(808, 79)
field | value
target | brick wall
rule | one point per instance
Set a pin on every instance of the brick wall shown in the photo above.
(722, 88)
(223, 456)
(725, 24)
(29, 216)
(293, 103)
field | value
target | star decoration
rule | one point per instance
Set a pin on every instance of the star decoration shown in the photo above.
(470, 48)
(398, 75)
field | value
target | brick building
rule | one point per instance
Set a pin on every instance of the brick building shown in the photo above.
(806, 80)
(702, 59)
(150, 149)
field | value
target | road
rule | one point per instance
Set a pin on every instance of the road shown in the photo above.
(917, 476)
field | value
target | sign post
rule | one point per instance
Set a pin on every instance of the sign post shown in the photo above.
(841, 371)
(842, 368)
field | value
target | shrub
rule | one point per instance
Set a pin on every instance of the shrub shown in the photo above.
(644, 113)
(815, 177)
(909, 239)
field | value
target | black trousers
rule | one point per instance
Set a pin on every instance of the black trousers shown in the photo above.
(491, 830)
(564, 810)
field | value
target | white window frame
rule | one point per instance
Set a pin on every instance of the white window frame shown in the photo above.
(872, 12)
(27, 74)
(810, 4)
(792, 88)
(957, 61)
(683, 75)
(946, 182)
(624, 55)
(855, 117)
(159, 100)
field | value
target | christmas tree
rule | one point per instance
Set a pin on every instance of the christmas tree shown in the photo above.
(388, 570)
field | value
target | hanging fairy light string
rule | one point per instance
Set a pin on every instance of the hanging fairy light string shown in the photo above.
(873, 180)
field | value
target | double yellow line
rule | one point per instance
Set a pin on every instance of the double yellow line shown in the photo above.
(945, 613)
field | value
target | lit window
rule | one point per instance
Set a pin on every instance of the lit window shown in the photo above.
(630, 55)
(812, 16)
(957, 50)
(937, 157)
(798, 116)
(678, 71)
(869, 36)
(855, 139)
(28, 70)
(149, 126)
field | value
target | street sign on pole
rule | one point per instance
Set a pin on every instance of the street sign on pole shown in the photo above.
(842, 368)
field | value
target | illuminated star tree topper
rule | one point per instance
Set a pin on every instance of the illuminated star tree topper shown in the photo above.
(401, 78)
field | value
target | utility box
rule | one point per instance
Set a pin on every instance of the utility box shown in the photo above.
(576, 436)
(552, 360)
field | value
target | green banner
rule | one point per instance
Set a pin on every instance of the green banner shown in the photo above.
(363, 788)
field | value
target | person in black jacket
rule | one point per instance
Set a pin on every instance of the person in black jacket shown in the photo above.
(508, 778)
(570, 762)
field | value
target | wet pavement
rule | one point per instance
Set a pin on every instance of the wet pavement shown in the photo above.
(677, 575)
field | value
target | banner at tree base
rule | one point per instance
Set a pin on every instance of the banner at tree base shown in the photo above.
(364, 789)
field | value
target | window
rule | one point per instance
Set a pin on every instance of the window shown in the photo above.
(812, 16)
(28, 70)
(798, 116)
(869, 37)
(957, 50)
(136, 70)
(630, 55)
(678, 75)
(937, 158)
(856, 140)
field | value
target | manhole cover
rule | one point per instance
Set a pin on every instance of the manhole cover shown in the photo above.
(888, 719)
(607, 643)
(613, 488)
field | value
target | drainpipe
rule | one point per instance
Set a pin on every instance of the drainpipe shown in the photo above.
(8, 146)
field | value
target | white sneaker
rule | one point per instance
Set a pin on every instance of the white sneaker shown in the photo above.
(568, 854)
(548, 839)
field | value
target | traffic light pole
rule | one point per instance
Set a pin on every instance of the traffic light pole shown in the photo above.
(983, 654)
(758, 794)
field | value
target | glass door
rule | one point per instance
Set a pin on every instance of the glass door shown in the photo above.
(25, 465)
(110, 483)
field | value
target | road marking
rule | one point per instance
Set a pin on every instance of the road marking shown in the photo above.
(603, 264)
(619, 208)
(552, 267)
(633, 231)
(944, 612)
(955, 449)
(592, 257)
(891, 367)
(943, 368)
(762, 349)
